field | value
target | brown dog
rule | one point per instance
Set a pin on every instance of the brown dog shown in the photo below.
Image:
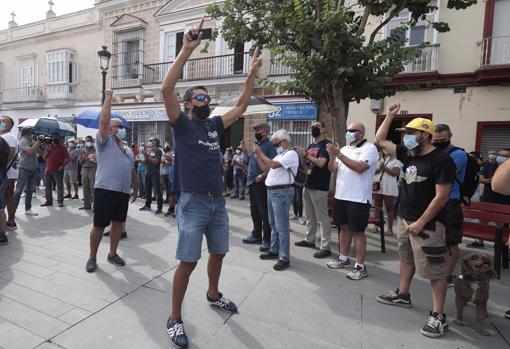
(472, 285)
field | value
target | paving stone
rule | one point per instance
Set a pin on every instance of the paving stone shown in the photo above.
(16, 337)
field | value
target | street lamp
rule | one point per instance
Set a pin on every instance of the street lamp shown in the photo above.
(104, 62)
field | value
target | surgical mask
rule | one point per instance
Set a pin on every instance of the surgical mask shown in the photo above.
(149, 145)
(501, 159)
(442, 145)
(350, 137)
(410, 142)
(88, 144)
(2, 126)
(202, 112)
(258, 137)
(492, 157)
(280, 150)
(238, 151)
(121, 134)
(316, 131)
(72, 145)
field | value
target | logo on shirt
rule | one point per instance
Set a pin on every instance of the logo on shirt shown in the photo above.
(411, 175)
(213, 134)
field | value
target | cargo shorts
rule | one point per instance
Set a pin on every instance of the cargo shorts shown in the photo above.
(426, 252)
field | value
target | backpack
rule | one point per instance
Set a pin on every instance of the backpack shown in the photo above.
(300, 176)
(471, 178)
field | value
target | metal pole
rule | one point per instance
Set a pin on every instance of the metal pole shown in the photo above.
(104, 86)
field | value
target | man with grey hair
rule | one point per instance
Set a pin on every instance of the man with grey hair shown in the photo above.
(355, 165)
(71, 169)
(280, 192)
(115, 176)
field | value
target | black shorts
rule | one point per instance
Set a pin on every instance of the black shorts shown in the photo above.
(454, 223)
(109, 206)
(353, 214)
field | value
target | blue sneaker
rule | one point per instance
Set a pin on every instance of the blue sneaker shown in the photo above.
(223, 303)
(252, 240)
(175, 329)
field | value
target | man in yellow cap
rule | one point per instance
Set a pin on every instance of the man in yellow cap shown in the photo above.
(426, 181)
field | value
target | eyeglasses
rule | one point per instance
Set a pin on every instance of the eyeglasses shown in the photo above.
(353, 130)
(118, 126)
(202, 98)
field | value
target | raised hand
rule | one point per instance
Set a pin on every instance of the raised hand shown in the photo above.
(393, 109)
(193, 37)
(256, 62)
(332, 150)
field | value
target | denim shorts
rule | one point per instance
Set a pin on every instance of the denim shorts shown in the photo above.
(197, 215)
(3, 185)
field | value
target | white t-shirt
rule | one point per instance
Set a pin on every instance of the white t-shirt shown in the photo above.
(282, 175)
(353, 186)
(389, 185)
(13, 143)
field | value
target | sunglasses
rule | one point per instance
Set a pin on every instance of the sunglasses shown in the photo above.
(353, 130)
(276, 145)
(202, 98)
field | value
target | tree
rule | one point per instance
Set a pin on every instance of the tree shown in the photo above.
(334, 58)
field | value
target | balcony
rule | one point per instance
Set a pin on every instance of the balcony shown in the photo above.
(24, 94)
(64, 91)
(206, 68)
(279, 69)
(426, 62)
(495, 51)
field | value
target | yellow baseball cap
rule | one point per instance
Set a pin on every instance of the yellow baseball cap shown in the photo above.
(420, 124)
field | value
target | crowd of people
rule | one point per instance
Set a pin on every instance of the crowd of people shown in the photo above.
(420, 184)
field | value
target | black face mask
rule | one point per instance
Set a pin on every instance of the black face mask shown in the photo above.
(258, 136)
(167, 148)
(442, 145)
(316, 131)
(202, 112)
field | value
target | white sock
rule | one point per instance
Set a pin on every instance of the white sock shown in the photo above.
(359, 265)
(343, 258)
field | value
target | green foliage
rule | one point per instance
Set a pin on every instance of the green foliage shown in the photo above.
(326, 43)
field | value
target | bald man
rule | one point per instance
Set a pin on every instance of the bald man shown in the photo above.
(115, 176)
(355, 165)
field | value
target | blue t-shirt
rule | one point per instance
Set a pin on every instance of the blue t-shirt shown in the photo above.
(197, 154)
(460, 159)
(253, 167)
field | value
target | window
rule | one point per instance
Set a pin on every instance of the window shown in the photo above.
(416, 35)
(128, 57)
(62, 67)
(299, 130)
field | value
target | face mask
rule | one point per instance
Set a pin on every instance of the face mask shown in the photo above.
(2, 126)
(410, 142)
(149, 145)
(202, 112)
(121, 134)
(72, 145)
(441, 145)
(167, 148)
(280, 150)
(258, 137)
(88, 144)
(492, 157)
(238, 151)
(501, 159)
(316, 131)
(350, 137)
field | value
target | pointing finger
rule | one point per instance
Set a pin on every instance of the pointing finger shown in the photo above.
(201, 23)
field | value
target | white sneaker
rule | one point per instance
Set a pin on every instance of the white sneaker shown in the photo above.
(302, 221)
(294, 218)
(31, 213)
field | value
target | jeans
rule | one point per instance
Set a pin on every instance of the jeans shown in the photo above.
(316, 209)
(58, 178)
(239, 184)
(40, 175)
(278, 203)
(88, 176)
(141, 182)
(152, 181)
(297, 203)
(25, 178)
(258, 210)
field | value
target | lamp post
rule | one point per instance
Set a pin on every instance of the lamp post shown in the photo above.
(104, 62)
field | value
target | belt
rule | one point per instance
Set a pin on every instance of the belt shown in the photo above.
(210, 193)
(284, 186)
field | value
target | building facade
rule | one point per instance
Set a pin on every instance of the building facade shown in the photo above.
(50, 67)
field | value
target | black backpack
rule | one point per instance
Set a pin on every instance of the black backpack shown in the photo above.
(300, 176)
(471, 177)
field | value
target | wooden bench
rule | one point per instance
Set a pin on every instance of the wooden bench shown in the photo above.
(496, 228)
(376, 217)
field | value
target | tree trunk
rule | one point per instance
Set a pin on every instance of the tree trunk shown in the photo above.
(339, 113)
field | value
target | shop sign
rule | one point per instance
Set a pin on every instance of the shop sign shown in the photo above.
(294, 111)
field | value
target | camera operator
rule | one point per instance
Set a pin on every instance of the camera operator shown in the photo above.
(56, 157)
(41, 164)
(28, 168)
